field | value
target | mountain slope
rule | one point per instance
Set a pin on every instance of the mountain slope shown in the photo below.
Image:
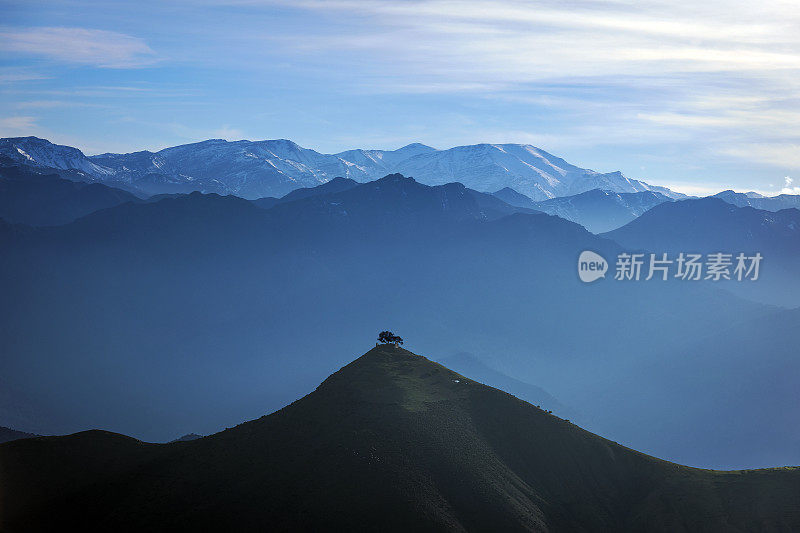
(47, 200)
(383, 161)
(711, 225)
(767, 203)
(333, 186)
(384, 202)
(512, 197)
(41, 153)
(600, 211)
(8, 434)
(469, 365)
(597, 210)
(390, 442)
(524, 168)
(706, 223)
(247, 169)
(275, 167)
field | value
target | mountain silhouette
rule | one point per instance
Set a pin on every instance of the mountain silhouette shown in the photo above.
(600, 211)
(27, 197)
(390, 442)
(8, 434)
(711, 225)
(333, 186)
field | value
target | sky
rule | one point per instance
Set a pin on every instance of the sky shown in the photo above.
(697, 96)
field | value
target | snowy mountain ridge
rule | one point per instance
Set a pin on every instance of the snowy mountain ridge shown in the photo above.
(255, 169)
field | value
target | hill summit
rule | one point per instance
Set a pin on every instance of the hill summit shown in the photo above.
(390, 442)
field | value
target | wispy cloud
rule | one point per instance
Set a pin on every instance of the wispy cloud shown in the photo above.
(14, 75)
(523, 41)
(776, 154)
(721, 72)
(100, 48)
(114, 92)
(50, 104)
(16, 126)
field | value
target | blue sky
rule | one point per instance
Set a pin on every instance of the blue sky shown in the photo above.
(696, 97)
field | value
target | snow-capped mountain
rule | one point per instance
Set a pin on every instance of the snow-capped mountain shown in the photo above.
(254, 169)
(33, 151)
(382, 160)
(244, 168)
(524, 168)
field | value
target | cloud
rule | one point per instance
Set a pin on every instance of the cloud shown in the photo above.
(228, 133)
(508, 40)
(100, 48)
(51, 104)
(17, 126)
(720, 75)
(788, 189)
(777, 154)
(182, 132)
(8, 76)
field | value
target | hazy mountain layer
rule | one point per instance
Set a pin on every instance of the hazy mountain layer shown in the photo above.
(736, 386)
(767, 203)
(600, 211)
(710, 225)
(195, 312)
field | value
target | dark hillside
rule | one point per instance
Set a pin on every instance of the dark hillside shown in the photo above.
(391, 442)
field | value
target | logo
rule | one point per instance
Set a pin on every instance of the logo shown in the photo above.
(591, 266)
(714, 267)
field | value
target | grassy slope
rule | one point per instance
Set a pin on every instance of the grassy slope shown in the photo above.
(392, 441)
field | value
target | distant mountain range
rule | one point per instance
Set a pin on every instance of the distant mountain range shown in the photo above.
(711, 225)
(390, 442)
(276, 167)
(596, 210)
(767, 203)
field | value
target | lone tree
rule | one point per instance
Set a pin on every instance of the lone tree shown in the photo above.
(387, 337)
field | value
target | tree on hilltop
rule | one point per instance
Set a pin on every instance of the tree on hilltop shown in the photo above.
(387, 337)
